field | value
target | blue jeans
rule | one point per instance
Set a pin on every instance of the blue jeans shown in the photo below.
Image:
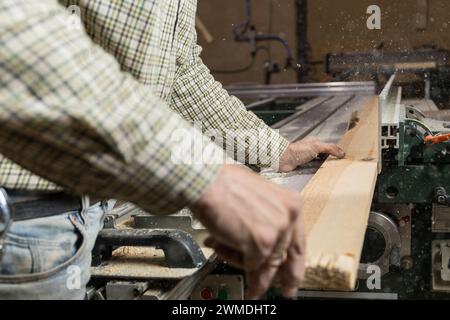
(50, 258)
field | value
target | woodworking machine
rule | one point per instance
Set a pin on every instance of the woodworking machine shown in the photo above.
(174, 264)
(408, 234)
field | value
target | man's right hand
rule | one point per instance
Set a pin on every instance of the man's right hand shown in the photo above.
(255, 225)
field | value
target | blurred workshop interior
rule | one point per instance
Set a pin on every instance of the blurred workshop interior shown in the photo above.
(313, 30)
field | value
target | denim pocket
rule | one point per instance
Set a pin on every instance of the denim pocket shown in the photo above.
(16, 257)
(41, 246)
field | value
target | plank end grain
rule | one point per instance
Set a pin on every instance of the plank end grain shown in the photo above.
(336, 206)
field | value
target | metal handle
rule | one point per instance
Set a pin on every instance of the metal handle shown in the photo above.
(180, 249)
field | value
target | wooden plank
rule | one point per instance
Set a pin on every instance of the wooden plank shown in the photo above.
(203, 30)
(403, 66)
(336, 206)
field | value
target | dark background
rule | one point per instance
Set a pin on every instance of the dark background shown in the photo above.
(334, 26)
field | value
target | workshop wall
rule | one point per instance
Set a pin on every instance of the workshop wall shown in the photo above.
(334, 26)
(340, 26)
(224, 54)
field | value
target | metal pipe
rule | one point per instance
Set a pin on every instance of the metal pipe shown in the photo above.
(303, 47)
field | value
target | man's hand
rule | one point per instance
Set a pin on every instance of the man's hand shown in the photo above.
(304, 151)
(255, 225)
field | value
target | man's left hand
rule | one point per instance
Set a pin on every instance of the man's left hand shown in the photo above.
(306, 150)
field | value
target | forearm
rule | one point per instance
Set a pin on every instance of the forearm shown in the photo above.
(201, 99)
(69, 114)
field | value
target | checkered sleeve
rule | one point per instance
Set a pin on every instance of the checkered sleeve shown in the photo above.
(201, 99)
(68, 114)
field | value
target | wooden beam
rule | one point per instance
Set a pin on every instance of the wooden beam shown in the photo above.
(336, 206)
(203, 30)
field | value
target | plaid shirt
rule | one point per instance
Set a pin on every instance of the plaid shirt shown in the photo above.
(92, 108)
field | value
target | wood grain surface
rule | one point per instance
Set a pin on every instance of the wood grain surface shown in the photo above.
(336, 205)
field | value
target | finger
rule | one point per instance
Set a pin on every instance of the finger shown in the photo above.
(260, 280)
(264, 242)
(331, 149)
(292, 272)
(232, 257)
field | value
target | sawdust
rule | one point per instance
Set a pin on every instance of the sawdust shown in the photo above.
(143, 262)
(127, 224)
(138, 253)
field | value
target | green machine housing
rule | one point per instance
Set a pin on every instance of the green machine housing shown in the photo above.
(412, 171)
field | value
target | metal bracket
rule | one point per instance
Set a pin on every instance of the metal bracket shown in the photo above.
(125, 290)
(118, 215)
(445, 263)
(441, 197)
(441, 265)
